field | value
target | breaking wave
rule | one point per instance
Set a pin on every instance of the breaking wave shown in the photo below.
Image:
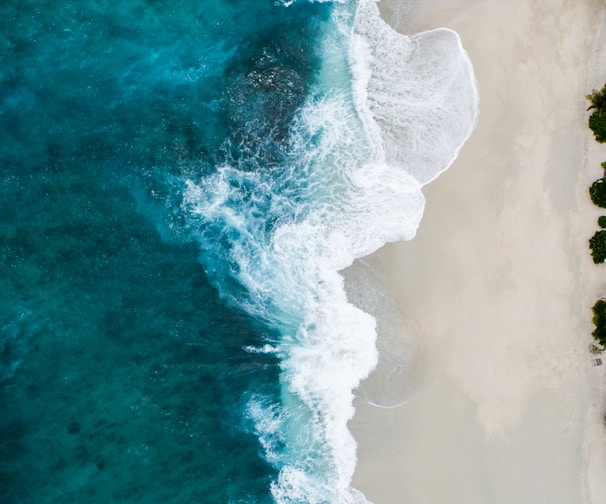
(387, 114)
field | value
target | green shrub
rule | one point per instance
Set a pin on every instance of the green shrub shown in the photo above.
(597, 192)
(597, 99)
(599, 320)
(602, 221)
(597, 124)
(597, 244)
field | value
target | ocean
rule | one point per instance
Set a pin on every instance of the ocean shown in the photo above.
(182, 184)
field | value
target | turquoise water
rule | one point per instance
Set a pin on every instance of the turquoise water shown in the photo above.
(181, 185)
(123, 373)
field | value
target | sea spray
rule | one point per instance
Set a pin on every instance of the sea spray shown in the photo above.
(291, 280)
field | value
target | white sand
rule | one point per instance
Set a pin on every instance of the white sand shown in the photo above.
(499, 280)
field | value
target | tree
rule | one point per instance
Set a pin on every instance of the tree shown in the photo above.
(597, 124)
(598, 100)
(597, 192)
(602, 221)
(597, 120)
(597, 244)
(599, 320)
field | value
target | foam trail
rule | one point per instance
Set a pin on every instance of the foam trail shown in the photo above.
(361, 148)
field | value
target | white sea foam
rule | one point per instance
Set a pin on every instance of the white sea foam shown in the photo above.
(421, 92)
(361, 150)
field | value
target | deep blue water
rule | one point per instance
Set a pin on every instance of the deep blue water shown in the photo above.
(123, 370)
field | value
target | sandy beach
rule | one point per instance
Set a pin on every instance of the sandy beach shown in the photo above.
(502, 404)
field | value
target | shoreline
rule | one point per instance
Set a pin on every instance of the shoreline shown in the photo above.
(498, 284)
